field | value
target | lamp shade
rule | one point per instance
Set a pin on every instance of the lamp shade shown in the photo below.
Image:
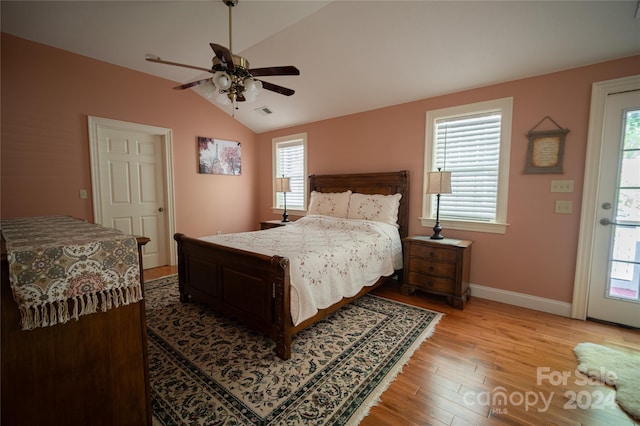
(439, 182)
(282, 184)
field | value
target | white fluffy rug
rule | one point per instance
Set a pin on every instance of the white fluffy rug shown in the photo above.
(616, 368)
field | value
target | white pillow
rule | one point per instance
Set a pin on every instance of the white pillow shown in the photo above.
(334, 204)
(376, 207)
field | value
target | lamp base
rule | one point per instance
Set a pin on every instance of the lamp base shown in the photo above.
(436, 232)
(437, 228)
(285, 216)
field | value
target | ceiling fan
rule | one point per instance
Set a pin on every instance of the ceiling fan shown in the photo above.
(232, 77)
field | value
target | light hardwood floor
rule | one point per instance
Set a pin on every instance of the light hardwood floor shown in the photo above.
(490, 350)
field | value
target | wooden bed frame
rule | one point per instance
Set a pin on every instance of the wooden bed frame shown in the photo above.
(254, 288)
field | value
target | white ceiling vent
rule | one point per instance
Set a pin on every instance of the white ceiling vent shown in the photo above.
(263, 110)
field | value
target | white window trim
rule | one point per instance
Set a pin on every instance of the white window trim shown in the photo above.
(499, 226)
(274, 144)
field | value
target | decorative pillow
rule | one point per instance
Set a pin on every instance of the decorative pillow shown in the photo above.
(334, 204)
(376, 207)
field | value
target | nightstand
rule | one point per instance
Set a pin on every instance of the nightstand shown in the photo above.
(438, 267)
(268, 224)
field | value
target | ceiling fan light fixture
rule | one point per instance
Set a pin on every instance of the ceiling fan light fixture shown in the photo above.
(250, 97)
(252, 89)
(208, 89)
(221, 80)
(223, 99)
(249, 84)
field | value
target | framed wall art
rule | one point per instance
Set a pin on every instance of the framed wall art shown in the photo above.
(546, 150)
(219, 156)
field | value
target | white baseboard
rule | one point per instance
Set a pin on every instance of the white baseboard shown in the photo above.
(520, 299)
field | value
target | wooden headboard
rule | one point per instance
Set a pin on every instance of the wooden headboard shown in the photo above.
(386, 183)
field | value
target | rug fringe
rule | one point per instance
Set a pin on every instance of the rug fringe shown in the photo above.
(375, 398)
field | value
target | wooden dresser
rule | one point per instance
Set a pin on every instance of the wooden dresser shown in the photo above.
(438, 267)
(93, 371)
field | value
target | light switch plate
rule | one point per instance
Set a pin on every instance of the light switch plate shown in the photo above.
(562, 185)
(564, 207)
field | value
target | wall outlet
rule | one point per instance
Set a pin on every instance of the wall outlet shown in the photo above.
(83, 194)
(564, 207)
(562, 185)
(218, 232)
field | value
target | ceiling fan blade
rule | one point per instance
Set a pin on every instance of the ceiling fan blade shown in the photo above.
(276, 88)
(193, 83)
(156, 59)
(224, 55)
(286, 70)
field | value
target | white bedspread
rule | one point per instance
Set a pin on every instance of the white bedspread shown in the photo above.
(330, 258)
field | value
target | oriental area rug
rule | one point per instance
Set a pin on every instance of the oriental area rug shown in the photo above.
(206, 370)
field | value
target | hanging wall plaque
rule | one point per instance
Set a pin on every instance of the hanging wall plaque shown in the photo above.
(546, 149)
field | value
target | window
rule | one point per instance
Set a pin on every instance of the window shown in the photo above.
(473, 143)
(290, 160)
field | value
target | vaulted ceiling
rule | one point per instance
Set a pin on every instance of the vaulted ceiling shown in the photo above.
(353, 56)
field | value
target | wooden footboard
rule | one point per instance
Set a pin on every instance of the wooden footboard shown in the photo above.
(250, 287)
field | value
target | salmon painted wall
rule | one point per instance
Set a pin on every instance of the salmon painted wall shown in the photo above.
(537, 254)
(47, 95)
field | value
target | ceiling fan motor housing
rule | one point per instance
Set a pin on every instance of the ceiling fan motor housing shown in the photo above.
(241, 64)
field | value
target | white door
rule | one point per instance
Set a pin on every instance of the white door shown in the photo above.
(614, 291)
(130, 185)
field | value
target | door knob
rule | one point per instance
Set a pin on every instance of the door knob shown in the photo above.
(161, 209)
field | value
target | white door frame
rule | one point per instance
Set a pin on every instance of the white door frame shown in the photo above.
(588, 217)
(165, 136)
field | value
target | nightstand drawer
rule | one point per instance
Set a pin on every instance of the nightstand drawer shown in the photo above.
(431, 283)
(440, 254)
(429, 267)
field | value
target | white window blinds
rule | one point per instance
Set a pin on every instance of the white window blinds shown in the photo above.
(290, 162)
(477, 153)
(469, 148)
